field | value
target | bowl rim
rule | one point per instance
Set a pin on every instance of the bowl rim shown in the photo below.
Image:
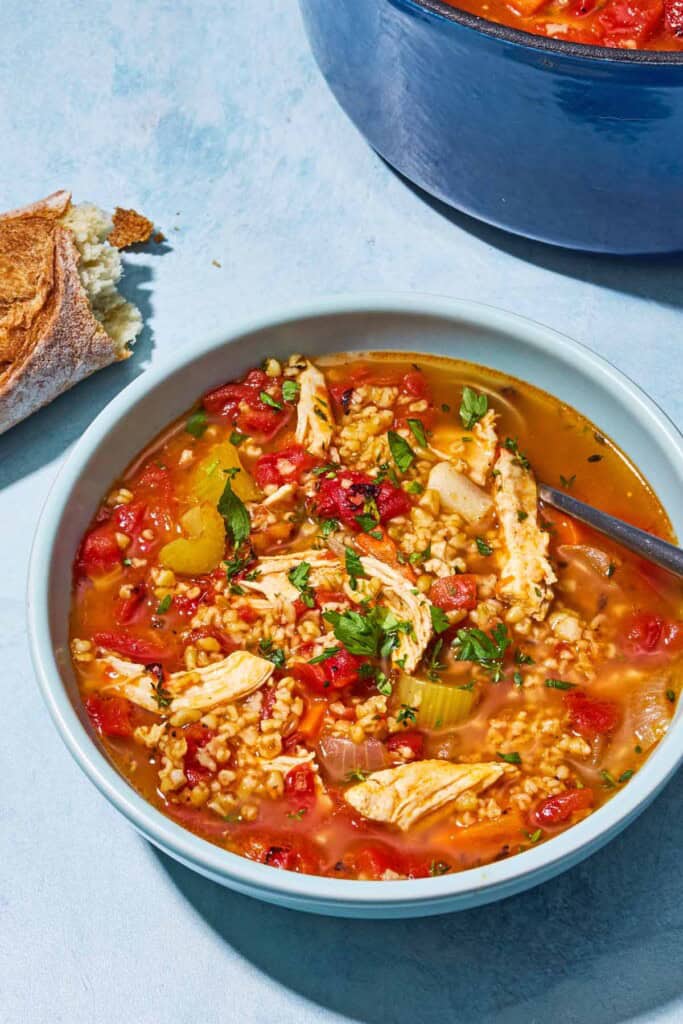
(546, 44)
(475, 885)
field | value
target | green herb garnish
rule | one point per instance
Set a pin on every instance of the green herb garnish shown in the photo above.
(164, 604)
(269, 400)
(298, 577)
(511, 758)
(329, 526)
(402, 454)
(234, 512)
(568, 481)
(484, 649)
(272, 653)
(290, 390)
(608, 779)
(354, 567)
(472, 408)
(237, 439)
(406, 714)
(512, 446)
(482, 547)
(197, 423)
(418, 431)
(625, 776)
(439, 867)
(559, 684)
(440, 621)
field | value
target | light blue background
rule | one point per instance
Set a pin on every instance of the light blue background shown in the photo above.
(211, 118)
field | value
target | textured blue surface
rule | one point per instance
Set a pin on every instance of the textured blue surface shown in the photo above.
(211, 118)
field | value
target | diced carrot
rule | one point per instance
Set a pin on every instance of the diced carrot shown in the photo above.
(310, 724)
(386, 551)
(564, 529)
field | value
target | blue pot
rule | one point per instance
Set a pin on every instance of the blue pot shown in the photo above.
(574, 145)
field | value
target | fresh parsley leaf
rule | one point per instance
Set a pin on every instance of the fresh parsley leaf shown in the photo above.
(559, 684)
(512, 446)
(354, 568)
(328, 653)
(356, 775)
(434, 666)
(608, 780)
(237, 439)
(439, 867)
(406, 714)
(467, 687)
(482, 547)
(290, 390)
(329, 526)
(440, 620)
(197, 423)
(162, 696)
(523, 659)
(568, 481)
(625, 776)
(297, 815)
(511, 758)
(367, 521)
(417, 557)
(671, 696)
(272, 653)
(383, 683)
(269, 400)
(483, 649)
(234, 512)
(164, 604)
(298, 577)
(402, 454)
(415, 487)
(329, 470)
(518, 679)
(533, 837)
(521, 515)
(373, 634)
(418, 431)
(472, 408)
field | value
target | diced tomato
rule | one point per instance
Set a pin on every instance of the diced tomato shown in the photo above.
(243, 406)
(384, 549)
(629, 21)
(129, 646)
(411, 739)
(453, 593)
(414, 385)
(99, 552)
(300, 784)
(268, 702)
(125, 608)
(284, 466)
(227, 644)
(187, 606)
(335, 673)
(157, 479)
(373, 860)
(196, 736)
(129, 518)
(414, 388)
(589, 717)
(283, 857)
(651, 634)
(673, 16)
(111, 716)
(556, 809)
(246, 613)
(344, 497)
(324, 597)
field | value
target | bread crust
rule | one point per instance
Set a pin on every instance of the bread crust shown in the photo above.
(49, 338)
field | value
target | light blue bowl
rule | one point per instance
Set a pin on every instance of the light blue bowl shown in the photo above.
(416, 324)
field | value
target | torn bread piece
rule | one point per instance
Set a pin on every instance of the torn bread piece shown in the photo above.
(61, 316)
(403, 794)
(526, 574)
(130, 228)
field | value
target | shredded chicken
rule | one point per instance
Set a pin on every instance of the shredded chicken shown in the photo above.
(526, 573)
(406, 793)
(474, 451)
(222, 682)
(271, 574)
(315, 422)
(399, 596)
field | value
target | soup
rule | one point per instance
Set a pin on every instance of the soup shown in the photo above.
(323, 621)
(623, 24)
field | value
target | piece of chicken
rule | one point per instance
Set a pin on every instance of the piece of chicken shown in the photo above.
(314, 419)
(526, 574)
(406, 793)
(221, 682)
(472, 452)
(399, 595)
(271, 573)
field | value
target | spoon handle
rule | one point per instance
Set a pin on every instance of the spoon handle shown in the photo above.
(666, 555)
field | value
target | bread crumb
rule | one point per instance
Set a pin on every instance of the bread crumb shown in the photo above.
(130, 228)
(216, 263)
(159, 238)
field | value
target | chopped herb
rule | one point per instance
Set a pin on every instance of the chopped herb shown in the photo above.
(418, 431)
(482, 547)
(269, 400)
(162, 696)
(402, 454)
(472, 407)
(483, 649)
(237, 439)
(434, 666)
(329, 526)
(290, 390)
(212, 466)
(354, 567)
(329, 469)
(127, 561)
(625, 776)
(415, 487)
(232, 818)
(533, 837)
(234, 513)
(319, 413)
(373, 634)
(608, 780)
(197, 423)
(567, 481)
(274, 654)
(445, 407)
(418, 557)
(235, 588)
(298, 577)
(518, 679)
(512, 446)
(164, 604)
(523, 659)
(367, 521)
(521, 515)
(235, 565)
(638, 749)
(385, 470)
(297, 815)
(356, 775)
(383, 684)
(467, 687)
(511, 758)
(671, 696)
(440, 621)
(439, 867)
(406, 714)
(325, 656)
(594, 458)
(559, 684)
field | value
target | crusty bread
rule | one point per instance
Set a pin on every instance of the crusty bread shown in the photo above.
(61, 317)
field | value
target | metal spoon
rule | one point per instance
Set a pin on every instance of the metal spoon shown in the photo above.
(666, 555)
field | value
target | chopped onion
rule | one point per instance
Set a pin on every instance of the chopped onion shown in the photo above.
(650, 710)
(458, 493)
(339, 756)
(594, 558)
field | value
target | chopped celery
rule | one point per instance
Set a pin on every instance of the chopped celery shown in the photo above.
(204, 546)
(208, 479)
(437, 705)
